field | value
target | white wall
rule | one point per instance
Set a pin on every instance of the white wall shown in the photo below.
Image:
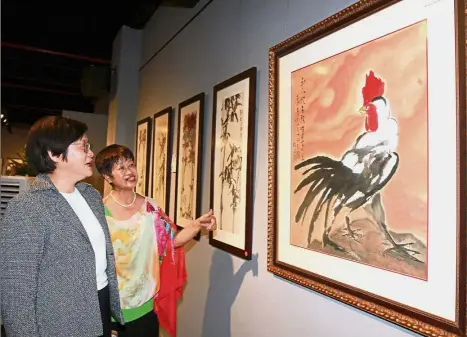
(97, 135)
(222, 297)
(123, 98)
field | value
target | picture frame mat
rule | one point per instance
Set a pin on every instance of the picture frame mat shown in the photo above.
(141, 122)
(161, 114)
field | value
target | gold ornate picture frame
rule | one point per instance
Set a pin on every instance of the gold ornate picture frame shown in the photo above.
(367, 161)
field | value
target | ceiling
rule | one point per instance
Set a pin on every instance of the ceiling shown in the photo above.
(47, 45)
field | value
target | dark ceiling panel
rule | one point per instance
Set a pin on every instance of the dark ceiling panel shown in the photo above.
(180, 3)
(43, 72)
(35, 97)
(141, 13)
(35, 83)
(86, 27)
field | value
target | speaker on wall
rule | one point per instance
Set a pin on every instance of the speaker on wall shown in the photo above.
(95, 81)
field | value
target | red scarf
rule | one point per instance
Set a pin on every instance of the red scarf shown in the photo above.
(173, 274)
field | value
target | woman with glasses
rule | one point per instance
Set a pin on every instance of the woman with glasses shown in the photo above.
(148, 248)
(57, 267)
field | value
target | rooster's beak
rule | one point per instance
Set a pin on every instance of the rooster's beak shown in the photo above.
(362, 110)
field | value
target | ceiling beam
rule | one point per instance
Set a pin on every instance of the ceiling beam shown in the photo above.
(180, 3)
(14, 96)
(55, 53)
(41, 81)
(21, 60)
(35, 109)
(30, 88)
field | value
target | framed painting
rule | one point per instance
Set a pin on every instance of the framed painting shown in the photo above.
(142, 154)
(189, 147)
(234, 108)
(161, 157)
(367, 161)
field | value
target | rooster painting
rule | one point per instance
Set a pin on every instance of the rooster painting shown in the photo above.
(343, 186)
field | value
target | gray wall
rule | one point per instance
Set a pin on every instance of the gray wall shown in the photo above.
(223, 297)
(123, 97)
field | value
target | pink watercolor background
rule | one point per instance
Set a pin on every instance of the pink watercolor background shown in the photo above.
(332, 122)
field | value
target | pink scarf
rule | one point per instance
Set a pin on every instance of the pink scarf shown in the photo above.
(173, 274)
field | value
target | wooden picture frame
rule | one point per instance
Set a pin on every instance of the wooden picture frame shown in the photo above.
(233, 133)
(341, 222)
(162, 157)
(189, 147)
(143, 154)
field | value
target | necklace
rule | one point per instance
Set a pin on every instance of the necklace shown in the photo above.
(126, 206)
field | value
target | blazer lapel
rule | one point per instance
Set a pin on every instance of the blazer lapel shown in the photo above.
(69, 215)
(43, 184)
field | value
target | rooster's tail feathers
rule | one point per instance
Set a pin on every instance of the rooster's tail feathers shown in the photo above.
(320, 178)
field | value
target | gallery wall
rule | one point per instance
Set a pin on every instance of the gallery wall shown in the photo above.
(124, 87)
(226, 296)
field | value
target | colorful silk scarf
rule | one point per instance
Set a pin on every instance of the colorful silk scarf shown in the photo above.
(172, 271)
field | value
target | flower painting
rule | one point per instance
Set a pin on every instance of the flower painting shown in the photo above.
(190, 138)
(188, 161)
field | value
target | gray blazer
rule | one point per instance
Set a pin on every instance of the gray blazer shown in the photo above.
(47, 266)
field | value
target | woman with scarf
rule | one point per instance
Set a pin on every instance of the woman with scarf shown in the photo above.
(148, 249)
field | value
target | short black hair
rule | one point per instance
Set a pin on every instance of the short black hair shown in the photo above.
(111, 155)
(54, 134)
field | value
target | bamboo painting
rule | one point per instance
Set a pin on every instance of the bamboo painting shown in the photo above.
(231, 170)
(230, 177)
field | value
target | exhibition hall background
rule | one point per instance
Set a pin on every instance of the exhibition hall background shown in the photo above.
(223, 297)
(161, 66)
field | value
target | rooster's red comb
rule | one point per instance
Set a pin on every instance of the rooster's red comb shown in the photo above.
(374, 87)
